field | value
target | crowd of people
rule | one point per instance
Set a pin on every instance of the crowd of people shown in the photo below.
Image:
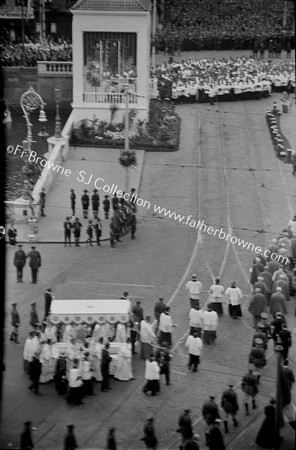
(27, 54)
(226, 79)
(191, 25)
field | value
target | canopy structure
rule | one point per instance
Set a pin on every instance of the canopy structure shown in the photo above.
(89, 311)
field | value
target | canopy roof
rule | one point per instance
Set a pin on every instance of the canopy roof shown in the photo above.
(112, 5)
(89, 311)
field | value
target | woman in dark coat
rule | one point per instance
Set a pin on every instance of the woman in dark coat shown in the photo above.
(266, 435)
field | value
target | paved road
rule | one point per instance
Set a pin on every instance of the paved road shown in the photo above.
(212, 178)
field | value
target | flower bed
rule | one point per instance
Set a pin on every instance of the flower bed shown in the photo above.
(159, 133)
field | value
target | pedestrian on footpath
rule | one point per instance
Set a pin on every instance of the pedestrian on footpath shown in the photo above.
(15, 322)
(77, 231)
(89, 233)
(229, 404)
(98, 230)
(195, 346)
(165, 327)
(257, 306)
(72, 201)
(85, 204)
(67, 231)
(111, 442)
(42, 198)
(95, 201)
(216, 441)
(196, 320)
(34, 262)
(216, 293)
(234, 296)
(250, 388)
(70, 440)
(26, 437)
(12, 234)
(194, 288)
(106, 206)
(266, 436)
(185, 428)
(34, 321)
(285, 336)
(35, 369)
(210, 412)
(105, 362)
(19, 261)
(150, 438)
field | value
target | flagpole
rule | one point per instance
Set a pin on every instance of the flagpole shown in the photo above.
(278, 350)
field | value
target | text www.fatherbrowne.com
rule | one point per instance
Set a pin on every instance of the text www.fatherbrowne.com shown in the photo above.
(200, 225)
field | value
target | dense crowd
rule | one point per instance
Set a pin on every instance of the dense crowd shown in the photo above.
(27, 54)
(225, 79)
(191, 25)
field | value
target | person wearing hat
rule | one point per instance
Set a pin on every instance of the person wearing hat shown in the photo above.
(149, 438)
(34, 262)
(60, 377)
(12, 234)
(89, 233)
(260, 334)
(210, 412)
(138, 312)
(114, 201)
(276, 326)
(15, 322)
(72, 201)
(285, 336)
(70, 440)
(111, 442)
(185, 428)
(26, 437)
(267, 280)
(67, 231)
(95, 201)
(257, 305)
(283, 283)
(106, 206)
(229, 404)
(216, 441)
(257, 357)
(133, 225)
(194, 288)
(33, 316)
(19, 261)
(42, 198)
(192, 444)
(277, 303)
(97, 226)
(249, 386)
(85, 204)
(35, 372)
(77, 231)
(165, 327)
(159, 308)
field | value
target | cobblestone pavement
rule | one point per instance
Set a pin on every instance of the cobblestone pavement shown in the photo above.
(212, 178)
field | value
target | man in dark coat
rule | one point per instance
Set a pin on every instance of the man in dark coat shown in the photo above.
(77, 231)
(138, 312)
(35, 368)
(19, 261)
(35, 262)
(42, 197)
(215, 436)
(60, 378)
(163, 359)
(257, 306)
(105, 361)
(133, 225)
(289, 374)
(70, 440)
(95, 200)
(276, 326)
(210, 412)
(72, 201)
(267, 279)
(277, 302)
(15, 322)
(67, 231)
(286, 338)
(255, 270)
(34, 321)
(47, 301)
(159, 308)
(85, 204)
(185, 426)
(229, 405)
(257, 357)
(26, 438)
(250, 389)
(149, 435)
(114, 202)
(111, 442)
(106, 206)
(266, 435)
(284, 285)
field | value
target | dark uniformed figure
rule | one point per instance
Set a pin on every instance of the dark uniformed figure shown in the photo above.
(42, 198)
(260, 334)
(72, 201)
(77, 231)
(19, 261)
(112, 232)
(98, 230)
(89, 232)
(185, 426)
(111, 442)
(26, 437)
(95, 200)
(149, 434)
(114, 202)
(67, 231)
(215, 436)
(70, 440)
(133, 332)
(286, 339)
(138, 312)
(159, 308)
(12, 234)
(257, 357)
(106, 206)
(60, 378)
(15, 323)
(47, 301)
(250, 388)
(210, 412)
(85, 204)
(34, 262)
(163, 359)
(229, 404)
(133, 225)
(105, 361)
(33, 316)
(265, 325)
(35, 368)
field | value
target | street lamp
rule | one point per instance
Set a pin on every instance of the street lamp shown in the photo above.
(57, 124)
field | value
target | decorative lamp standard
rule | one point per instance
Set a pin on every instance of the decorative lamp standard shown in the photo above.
(57, 124)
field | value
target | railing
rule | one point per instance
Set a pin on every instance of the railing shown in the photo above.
(105, 97)
(54, 67)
